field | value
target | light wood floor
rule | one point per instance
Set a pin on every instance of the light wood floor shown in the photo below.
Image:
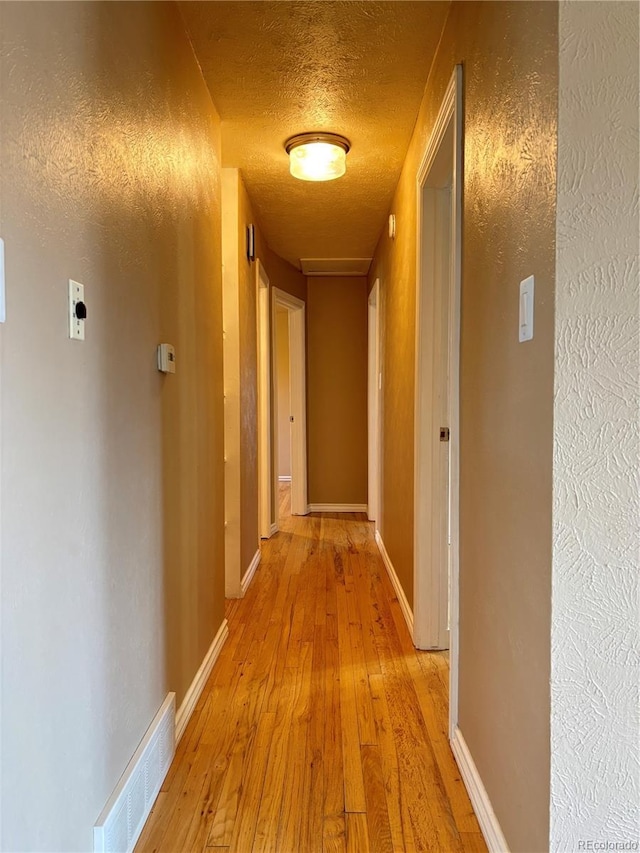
(321, 727)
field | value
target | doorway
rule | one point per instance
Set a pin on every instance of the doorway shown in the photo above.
(282, 414)
(374, 382)
(265, 455)
(436, 434)
(290, 408)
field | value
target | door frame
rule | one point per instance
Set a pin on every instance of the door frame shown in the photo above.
(296, 309)
(265, 462)
(436, 586)
(374, 383)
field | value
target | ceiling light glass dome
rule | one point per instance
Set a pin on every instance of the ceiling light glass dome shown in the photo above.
(317, 156)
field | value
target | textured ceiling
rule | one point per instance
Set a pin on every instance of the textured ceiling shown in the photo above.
(275, 69)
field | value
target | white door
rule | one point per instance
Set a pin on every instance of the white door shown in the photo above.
(437, 345)
(436, 434)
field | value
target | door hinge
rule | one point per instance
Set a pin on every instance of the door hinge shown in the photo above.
(444, 433)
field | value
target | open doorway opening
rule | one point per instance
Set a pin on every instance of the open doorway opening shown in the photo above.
(437, 393)
(282, 367)
(373, 399)
(265, 456)
(290, 408)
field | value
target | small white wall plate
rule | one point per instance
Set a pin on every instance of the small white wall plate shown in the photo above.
(526, 310)
(166, 358)
(76, 324)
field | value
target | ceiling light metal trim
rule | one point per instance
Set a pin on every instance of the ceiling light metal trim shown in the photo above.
(306, 138)
(317, 156)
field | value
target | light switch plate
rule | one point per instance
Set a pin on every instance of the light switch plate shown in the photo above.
(76, 326)
(526, 309)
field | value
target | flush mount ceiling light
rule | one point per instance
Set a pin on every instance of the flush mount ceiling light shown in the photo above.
(317, 156)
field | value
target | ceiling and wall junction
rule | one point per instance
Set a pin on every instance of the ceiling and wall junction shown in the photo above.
(355, 68)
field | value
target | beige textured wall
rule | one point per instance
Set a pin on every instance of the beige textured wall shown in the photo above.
(283, 275)
(509, 51)
(595, 719)
(248, 382)
(283, 403)
(231, 358)
(112, 548)
(238, 214)
(337, 390)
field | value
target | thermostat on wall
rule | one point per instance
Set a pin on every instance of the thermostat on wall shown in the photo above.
(166, 358)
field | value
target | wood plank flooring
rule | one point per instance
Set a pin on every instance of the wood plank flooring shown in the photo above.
(321, 728)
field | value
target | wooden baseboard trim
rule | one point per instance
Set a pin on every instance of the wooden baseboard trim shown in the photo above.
(397, 586)
(480, 801)
(337, 507)
(197, 685)
(248, 575)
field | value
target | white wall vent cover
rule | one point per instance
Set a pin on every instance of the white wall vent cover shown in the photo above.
(335, 266)
(122, 819)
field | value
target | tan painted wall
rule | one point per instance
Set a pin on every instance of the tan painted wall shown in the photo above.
(337, 390)
(238, 214)
(248, 381)
(284, 409)
(231, 261)
(283, 275)
(112, 528)
(509, 51)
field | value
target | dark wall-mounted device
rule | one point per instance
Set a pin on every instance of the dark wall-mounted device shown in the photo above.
(251, 242)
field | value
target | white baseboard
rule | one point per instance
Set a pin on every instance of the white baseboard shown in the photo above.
(122, 819)
(337, 507)
(274, 528)
(285, 478)
(197, 685)
(248, 575)
(478, 795)
(397, 586)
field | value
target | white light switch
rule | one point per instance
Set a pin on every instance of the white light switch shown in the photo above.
(77, 310)
(526, 309)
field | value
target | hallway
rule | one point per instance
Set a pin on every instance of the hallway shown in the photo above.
(443, 196)
(321, 727)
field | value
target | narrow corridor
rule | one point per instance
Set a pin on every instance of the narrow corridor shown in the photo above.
(321, 727)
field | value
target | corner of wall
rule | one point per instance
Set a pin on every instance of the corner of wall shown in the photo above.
(595, 750)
